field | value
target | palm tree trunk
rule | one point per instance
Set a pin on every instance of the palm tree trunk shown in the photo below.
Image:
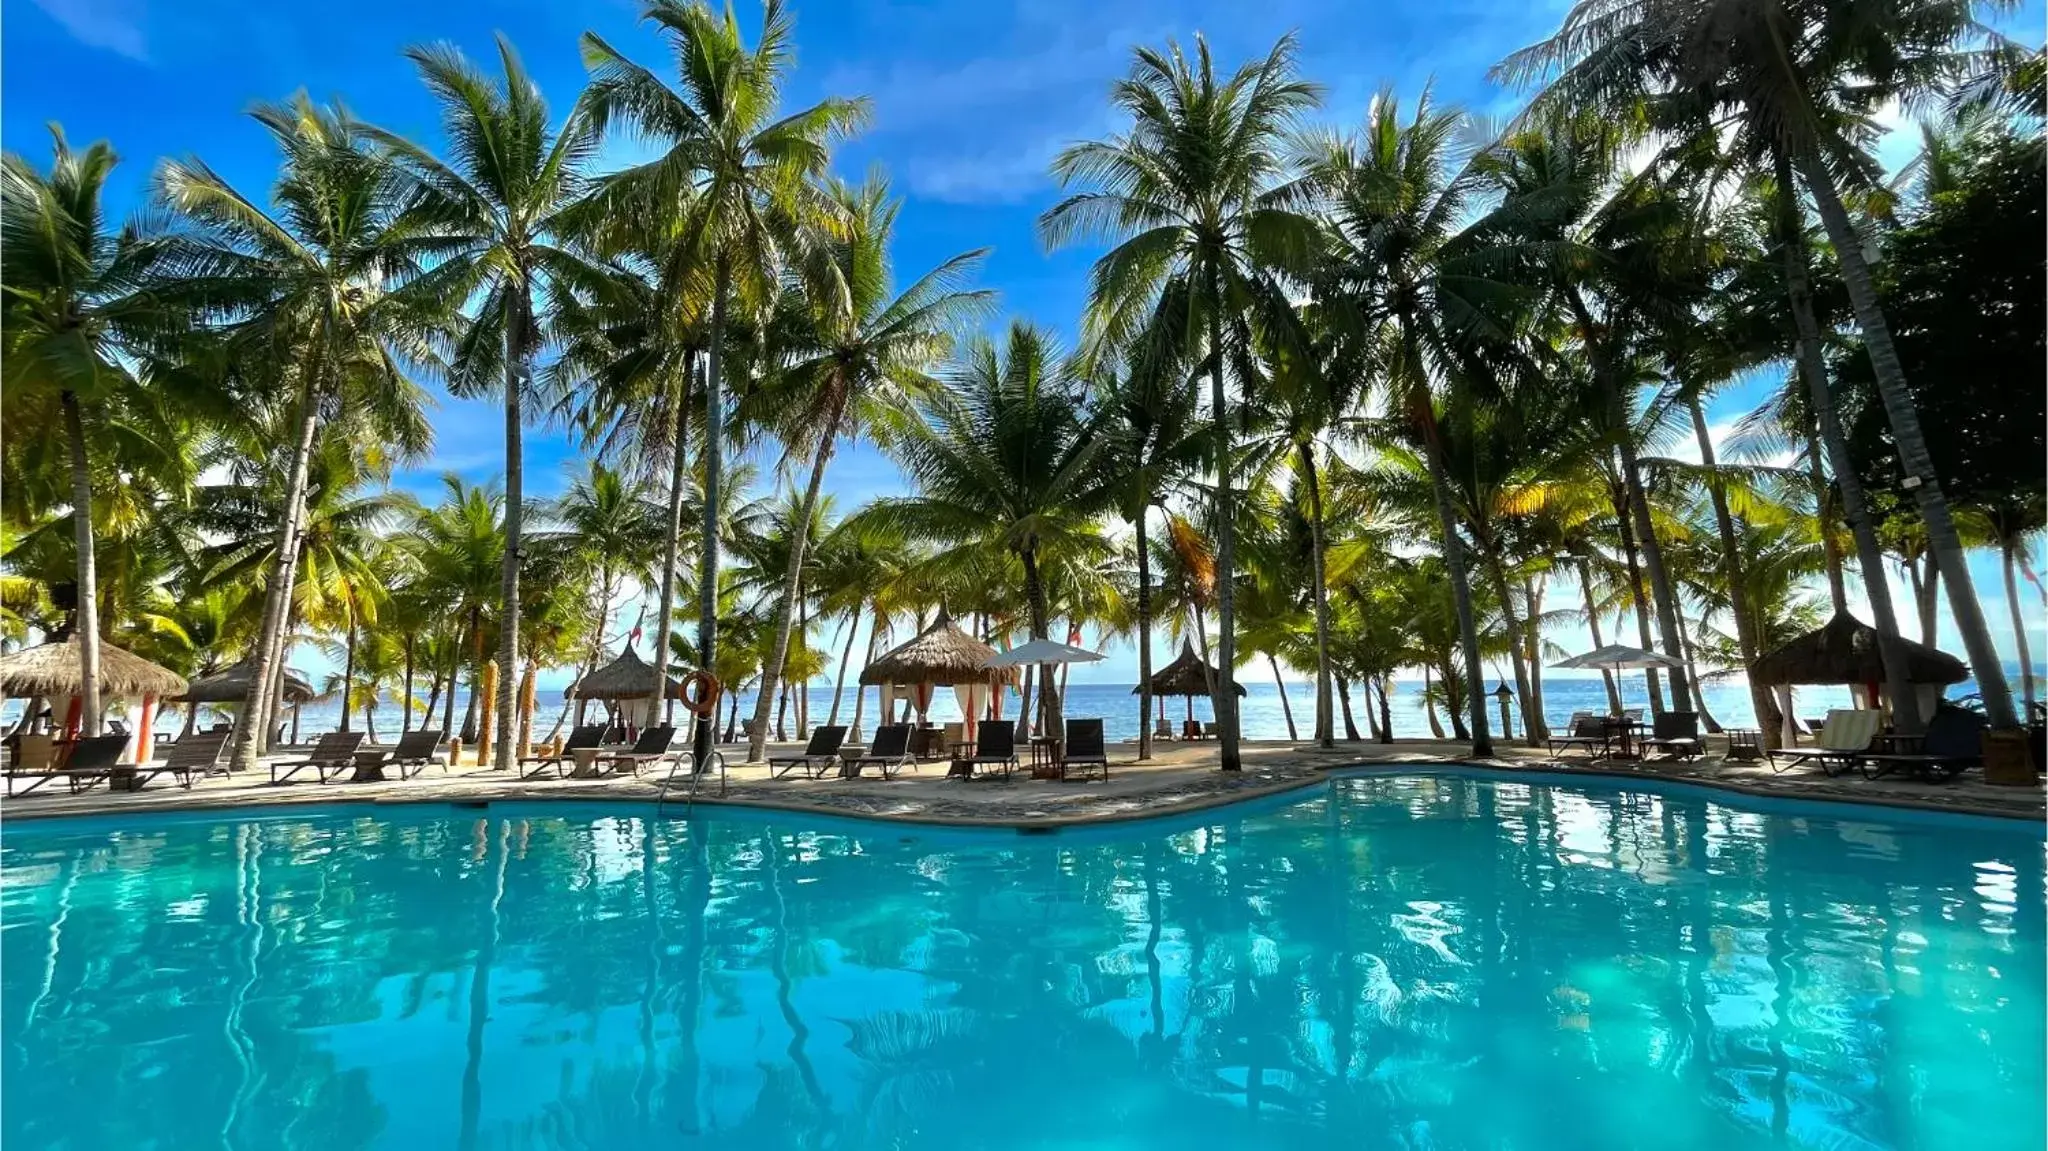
(860, 694)
(1034, 594)
(1663, 599)
(348, 671)
(1641, 609)
(1456, 568)
(1386, 713)
(714, 449)
(1869, 556)
(1280, 685)
(845, 654)
(1760, 698)
(1222, 691)
(252, 735)
(1326, 735)
(1914, 459)
(85, 618)
(792, 579)
(1824, 520)
(604, 606)
(518, 306)
(405, 721)
(1531, 719)
(1436, 728)
(1926, 595)
(448, 704)
(1344, 697)
(1699, 697)
(678, 471)
(1532, 594)
(2008, 549)
(1144, 640)
(1593, 625)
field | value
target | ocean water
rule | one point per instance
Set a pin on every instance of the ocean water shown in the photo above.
(1393, 962)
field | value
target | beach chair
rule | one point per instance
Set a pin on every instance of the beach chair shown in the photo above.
(334, 752)
(583, 738)
(995, 745)
(889, 752)
(1163, 729)
(91, 761)
(818, 756)
(416, 751)
(1084, 748)
(1586, 731)
(190, 758)
(1845, 736)
(1954, 741)
(1209, 729)
(1677, 734)
(655, 744)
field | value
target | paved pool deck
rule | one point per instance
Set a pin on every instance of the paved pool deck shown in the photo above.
(1180, 778)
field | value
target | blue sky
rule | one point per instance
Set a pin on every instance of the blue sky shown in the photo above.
(970, 101)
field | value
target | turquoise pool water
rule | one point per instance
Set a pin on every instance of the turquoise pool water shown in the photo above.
(1399, 962)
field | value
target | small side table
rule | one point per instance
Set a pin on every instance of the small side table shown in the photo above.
(1745, 745)
(586, 762)
(1045, 756)
(369, 766)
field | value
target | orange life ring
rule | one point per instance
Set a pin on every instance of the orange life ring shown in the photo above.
(700, 693)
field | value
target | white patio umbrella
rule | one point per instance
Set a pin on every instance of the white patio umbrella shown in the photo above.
(1619, 657)
(1045, 651)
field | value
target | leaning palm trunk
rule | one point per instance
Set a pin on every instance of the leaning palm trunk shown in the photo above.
(792, 584)
(1461, 589)
(1531, 716)
(1831, 555)
(1593, 625)
(1222, 694)
(1760, 699)
(86, 616)
(1049, 692)
(1532, 628)
(678, 469)
(1869, 556)
(1640, 606)
(1280, 685)
(516, 306)
(845, 654)
(1914, 458)
(1144, 640)
(1326, 735)
(714, 449)
(1663, 599)
(2008, 549)
(252, 735)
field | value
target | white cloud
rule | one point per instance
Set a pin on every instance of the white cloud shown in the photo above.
(115, 25)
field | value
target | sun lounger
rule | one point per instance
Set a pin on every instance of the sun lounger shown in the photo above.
(194, 756)
(91, 761)
(654, 744)
(588, 737)
(890, 751)
(819, 755)
(1954, 741)
(1677, 734)
(1845, 736)
(1586, 731)
(1084, 748)
(334, 752)
(416, 751)
(995, 745)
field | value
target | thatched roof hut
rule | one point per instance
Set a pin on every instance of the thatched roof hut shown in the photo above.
(52, 669)
(941, 654)
(627, 677)
(1187, 675)
(231, 685)
(1845, 651)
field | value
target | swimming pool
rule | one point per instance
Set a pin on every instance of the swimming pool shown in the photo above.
(1441, 961)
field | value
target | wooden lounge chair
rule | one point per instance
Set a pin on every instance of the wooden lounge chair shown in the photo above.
(584, 738)
(1954, 741)
(1677, 734)
(654, 745)
(995, 745)
(416, 751)
(335, 752)
(818, 757)
(91, 761)
(1084, 748)
(1845, 736)
(890, 751)
(194, 756)
(1586, 731)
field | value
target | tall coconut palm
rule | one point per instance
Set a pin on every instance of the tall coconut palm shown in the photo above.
(1195, 196)
(1406, 272)
(1005, 458)
(75, 301)
(856, 361)
(490, 215)
(320, 292)
(1796, 80)
(743, 177)
(611, 529)
(455, 548)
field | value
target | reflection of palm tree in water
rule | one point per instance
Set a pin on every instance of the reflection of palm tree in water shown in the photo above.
(778, 963)
(480, 991)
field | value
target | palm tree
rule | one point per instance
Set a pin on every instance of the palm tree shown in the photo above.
(858, 361)
(490, 216)
(1007, 459)
(76, 302)
(1796, 80)
(1404, 277)
(743, 178)
(455, 549)
(318, 293)
(1195, 199)
(612, 530)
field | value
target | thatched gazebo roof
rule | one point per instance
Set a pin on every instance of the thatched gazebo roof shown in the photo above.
(942, 655)
(1186, 675)
(627, 677)
(52, 669)
(231, 685)
(1845, 651)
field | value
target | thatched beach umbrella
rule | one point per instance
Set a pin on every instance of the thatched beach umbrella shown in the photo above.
(1845, 651)
(231, 685)
(941, 655)
(51, 670)
(627, 677)
(1186, 676)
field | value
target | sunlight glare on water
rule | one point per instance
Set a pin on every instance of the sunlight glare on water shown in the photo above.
(1394, 963)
